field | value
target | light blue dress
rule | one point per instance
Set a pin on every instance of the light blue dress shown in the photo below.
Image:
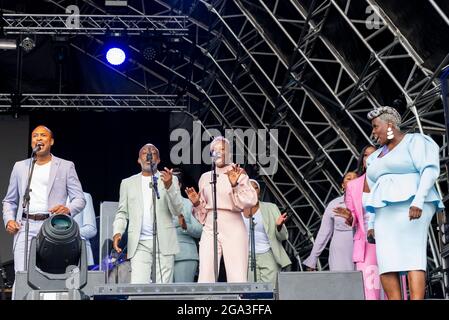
(402, 178)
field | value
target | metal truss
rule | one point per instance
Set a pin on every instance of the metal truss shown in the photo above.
(270, 65)
(93, 24)
(299, 185)
(92, 101)
(419, 88)
(439, 11)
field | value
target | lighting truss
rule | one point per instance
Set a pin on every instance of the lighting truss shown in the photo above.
(64, 24)
(93, 101)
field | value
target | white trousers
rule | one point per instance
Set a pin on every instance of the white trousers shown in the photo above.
(142, 261)
(19, 243)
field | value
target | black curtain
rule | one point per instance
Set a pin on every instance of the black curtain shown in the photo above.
(104, 145)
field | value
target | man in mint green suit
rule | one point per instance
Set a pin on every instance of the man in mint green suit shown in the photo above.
(269, 232)
(136, 209)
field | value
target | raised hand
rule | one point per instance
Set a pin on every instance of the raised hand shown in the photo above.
(344, 213)
(167, 177)
(194, 197)
(281, 220)
(234, 174)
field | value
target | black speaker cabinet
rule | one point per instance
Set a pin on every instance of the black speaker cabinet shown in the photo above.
(320, 285)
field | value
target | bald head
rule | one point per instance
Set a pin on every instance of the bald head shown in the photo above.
(44, 128)
(147, 147)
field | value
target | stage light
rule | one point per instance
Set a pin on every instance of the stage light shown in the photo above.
(8, 44)
(115, 56)
(57, 267)
(150, 53)
(27, 44)
(58, 244)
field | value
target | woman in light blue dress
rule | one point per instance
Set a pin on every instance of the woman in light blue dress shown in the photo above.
(403, 199)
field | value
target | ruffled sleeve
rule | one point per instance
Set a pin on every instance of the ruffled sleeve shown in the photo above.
(425, 156)
(243, 195)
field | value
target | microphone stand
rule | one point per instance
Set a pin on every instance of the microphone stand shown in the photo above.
(3, 280)
(253, 246)
(213, 183)
(153, 186)
(26, 206)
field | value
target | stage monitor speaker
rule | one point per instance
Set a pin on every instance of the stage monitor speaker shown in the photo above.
(320, 285)
(185, 291)
(23, 291)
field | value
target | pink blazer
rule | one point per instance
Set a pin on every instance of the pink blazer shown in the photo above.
(353, 201)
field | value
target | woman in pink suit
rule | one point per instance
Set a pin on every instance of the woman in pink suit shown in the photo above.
(364, 253)
(234, 193)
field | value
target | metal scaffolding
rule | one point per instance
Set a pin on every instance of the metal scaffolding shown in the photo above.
(92, 101)
(266, 64)
(93, 24)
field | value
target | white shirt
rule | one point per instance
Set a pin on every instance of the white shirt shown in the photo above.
(147, 216)
(260, 236)
(39, 189)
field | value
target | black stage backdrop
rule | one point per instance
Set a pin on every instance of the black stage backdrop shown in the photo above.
(104, 145)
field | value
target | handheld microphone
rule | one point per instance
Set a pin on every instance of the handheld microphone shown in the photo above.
(149, 157)
(37, 148)
(214, 155)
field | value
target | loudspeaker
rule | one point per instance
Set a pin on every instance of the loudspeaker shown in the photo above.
(320, 285)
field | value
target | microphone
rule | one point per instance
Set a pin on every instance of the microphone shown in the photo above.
(149, 157)
(215, 155)
(37, 148)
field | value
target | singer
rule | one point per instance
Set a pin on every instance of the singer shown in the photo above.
(136, 209)
(234, 194)
(269, 232)
(53, 180)
(401, 176)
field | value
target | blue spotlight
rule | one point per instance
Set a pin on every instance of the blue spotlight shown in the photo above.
(115, 56)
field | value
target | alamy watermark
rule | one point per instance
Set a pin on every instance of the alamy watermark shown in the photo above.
(373, 21)
(73, 21)
(258, 147)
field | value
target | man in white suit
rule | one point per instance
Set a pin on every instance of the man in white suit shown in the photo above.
(136, 208)
(54, 179)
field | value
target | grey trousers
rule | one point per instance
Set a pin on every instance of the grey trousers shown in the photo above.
(185, 270)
